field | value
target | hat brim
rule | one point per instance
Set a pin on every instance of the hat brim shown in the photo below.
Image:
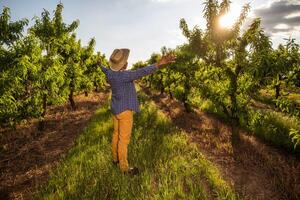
(117, 66)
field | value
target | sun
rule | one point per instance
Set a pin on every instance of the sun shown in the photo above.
(227, 20)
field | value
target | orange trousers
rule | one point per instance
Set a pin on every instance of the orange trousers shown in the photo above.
(121, 137)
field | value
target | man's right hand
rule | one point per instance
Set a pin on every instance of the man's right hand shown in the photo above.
(170, 58)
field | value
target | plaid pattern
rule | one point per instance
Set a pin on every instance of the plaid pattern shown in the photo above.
(124, 95)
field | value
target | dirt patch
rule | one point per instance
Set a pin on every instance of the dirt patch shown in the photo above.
(28, 155)
(254, 169)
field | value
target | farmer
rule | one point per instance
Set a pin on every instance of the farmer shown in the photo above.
(124, 101)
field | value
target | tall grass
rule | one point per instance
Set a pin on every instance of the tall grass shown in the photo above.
(271, 126)
(171, 168)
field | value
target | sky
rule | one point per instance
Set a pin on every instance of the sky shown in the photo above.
(144, 26)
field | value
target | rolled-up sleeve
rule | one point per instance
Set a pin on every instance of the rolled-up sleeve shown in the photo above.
(132, 75)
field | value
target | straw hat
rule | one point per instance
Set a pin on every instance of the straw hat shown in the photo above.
(118, 59)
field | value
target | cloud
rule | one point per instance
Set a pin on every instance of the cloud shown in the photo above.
(166, 1)
(160, 1)
(280, 16)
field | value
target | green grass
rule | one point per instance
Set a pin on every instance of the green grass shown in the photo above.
(171, 167)
(295, 97)
(273, 127)
(270, 125)
(268, 95)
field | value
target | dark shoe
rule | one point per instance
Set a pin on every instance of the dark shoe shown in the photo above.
(133, 171)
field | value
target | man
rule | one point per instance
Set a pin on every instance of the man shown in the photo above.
(124, 101)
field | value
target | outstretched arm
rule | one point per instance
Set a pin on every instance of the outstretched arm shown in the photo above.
(132, 75)
(139, 73)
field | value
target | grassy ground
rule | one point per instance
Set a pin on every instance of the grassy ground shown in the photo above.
(171, 168)
(273, 126)
(291, 94)
(276, 118)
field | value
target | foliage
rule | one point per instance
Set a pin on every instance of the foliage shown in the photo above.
(228, 67)
(48, 66)
(273, 127)
(221, 60)
(52, 34)
(10, 31)
(283, 66)
(184, 70)
(295, 135)
(288, 106)
(229, 57)
(12, 59)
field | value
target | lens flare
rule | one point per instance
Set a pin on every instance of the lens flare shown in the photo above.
(227, 20)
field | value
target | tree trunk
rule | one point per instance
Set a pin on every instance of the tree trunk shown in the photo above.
(225, 110)
(170, 93)
(187, 106)
(277, 91)
(97, 88)
(41, 125)
(162, 89)
(277, 87)
(235, 122)
(187, 89)
(218, 55)
(71, 99)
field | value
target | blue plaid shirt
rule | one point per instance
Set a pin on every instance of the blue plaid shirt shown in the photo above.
(124, 95)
